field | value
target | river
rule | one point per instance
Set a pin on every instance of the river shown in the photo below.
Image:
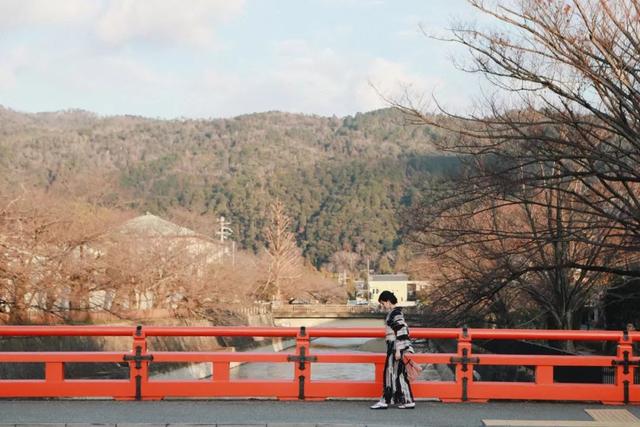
(319, 371)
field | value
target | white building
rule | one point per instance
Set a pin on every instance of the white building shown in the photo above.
(403, 288)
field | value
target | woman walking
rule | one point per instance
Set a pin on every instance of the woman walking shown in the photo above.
(396, 383)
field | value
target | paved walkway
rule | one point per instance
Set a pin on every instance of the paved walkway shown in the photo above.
(306, 414)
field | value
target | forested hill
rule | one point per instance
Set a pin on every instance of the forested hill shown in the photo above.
(342, 179)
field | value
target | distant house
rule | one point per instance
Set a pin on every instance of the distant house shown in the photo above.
(152, 229)
(403, 288)
(146, 242)
(150, 232)
(362, 292)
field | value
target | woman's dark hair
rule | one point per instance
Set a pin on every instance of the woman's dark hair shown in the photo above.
(388, 296)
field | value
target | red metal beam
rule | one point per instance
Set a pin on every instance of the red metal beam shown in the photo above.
(302, 358)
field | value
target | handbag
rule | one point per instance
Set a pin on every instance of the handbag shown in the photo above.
(412, 368)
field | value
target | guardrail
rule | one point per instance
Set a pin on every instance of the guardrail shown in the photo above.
(337, 311)
(322, 310)
(463, 388)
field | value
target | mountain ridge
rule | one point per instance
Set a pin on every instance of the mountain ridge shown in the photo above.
(343, 179)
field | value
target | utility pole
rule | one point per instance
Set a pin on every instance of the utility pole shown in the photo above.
(368, 279)
(225, 231)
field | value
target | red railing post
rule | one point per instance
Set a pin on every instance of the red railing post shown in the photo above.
(464, 366)
(139, 363)
(634, 394)
(302, 359)
(624, 370)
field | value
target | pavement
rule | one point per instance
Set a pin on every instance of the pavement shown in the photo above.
(173, 413)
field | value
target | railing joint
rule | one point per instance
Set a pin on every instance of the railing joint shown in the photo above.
(464, 360)
(625, 362)
(138, 357)
(302, 358)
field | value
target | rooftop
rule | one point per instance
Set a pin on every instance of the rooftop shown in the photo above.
(400, 277)
(153, 226)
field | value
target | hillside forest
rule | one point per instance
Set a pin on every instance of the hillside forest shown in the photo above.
(337, 186)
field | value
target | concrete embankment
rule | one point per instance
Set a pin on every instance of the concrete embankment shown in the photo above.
(123, 344)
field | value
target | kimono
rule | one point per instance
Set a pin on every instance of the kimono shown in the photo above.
(396, 382)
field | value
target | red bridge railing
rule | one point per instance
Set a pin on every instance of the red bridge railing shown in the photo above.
(302, 359)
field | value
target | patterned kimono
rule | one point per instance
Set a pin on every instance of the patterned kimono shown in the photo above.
(396, 383)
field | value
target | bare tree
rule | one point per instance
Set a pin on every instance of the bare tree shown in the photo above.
(547, 204)
(344, 261)
(568, 80)
(505, 257)
(46, 266)
(283, 255)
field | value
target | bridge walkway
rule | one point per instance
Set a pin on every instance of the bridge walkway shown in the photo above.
(74, 413)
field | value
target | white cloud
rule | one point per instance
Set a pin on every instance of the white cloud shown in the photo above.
(119, 84)
(393, 81)
(116, 73)
(19, 13)
(302, 78)
(118, 22)
(328, 82)
(77, 71)
(191, 22)
(309, 80)
(313, 82)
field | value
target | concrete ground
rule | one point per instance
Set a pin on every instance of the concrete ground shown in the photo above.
(296, 413)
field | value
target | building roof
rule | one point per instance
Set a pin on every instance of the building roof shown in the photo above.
(150, 229)
(152, 226)
(400, 277)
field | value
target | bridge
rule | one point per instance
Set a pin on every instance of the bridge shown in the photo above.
(462, 390)
(325, 311)
(336, 311)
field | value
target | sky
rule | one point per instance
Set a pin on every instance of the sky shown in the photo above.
(223, 58)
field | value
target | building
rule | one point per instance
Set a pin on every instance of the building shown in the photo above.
(403, 288)
(136, 269)
(155, 238)
(362, 292)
